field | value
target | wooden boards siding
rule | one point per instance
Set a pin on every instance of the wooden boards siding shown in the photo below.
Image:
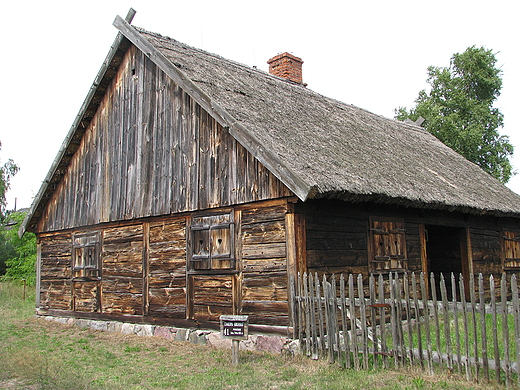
(122, 272)
(486, 247)
(56, 271)
(150, 150)
(264, 265)
(337, 236)
(167, 269)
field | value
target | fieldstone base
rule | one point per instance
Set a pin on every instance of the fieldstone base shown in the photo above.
(255, 342)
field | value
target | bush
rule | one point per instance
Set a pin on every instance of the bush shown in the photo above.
(20, 253)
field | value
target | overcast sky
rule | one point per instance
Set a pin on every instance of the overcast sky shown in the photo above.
(372, 54)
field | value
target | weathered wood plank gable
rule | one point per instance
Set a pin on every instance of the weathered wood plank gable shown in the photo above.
(152, 150)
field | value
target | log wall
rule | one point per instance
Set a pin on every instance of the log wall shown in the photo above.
(144, 270)
(337, 236)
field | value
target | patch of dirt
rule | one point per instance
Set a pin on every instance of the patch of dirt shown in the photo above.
(16, 384)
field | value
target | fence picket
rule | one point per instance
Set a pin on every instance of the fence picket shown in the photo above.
(382, 319)
(494, 326)
(352, 316)
(505, 329)
(482, 309)
(313, 319)
(393, 319)
(446, 318)
(349, 323)
(319, 307)
(335, 318)
(328, 320)
(307, 313)
(516, 315)
(299, 314)
(466, 327)
(417, 319)
(373, 319)
(456, 320)
(363, 315)
(435, 311)
(426, 314)
(408, 317)
(475, 328)
(346, 338)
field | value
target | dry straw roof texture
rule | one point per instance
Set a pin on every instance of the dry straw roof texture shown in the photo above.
(339, 150)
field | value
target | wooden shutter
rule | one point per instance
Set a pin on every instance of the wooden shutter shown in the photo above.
(212, 240)
(511, 248)
(86, 255)
(388, 245)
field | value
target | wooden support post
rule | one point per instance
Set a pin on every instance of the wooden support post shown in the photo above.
(234, 352)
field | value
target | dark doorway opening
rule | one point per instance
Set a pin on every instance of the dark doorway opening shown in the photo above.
(443, 248)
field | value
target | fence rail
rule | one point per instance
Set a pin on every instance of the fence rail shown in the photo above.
(470, 326)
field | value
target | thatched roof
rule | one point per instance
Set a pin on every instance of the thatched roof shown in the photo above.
(317, 146)
(339, 150)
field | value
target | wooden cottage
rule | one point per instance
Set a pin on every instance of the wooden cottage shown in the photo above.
(191, 186)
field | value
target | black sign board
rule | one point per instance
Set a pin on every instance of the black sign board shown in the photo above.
(234, 327)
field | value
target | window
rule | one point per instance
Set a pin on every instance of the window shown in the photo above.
(387, 252)
(511, 250)
(86, 256)
(212, 243)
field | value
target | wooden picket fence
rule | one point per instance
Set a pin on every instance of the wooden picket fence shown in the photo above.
(472, 327)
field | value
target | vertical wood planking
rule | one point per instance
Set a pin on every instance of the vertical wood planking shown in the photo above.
(150, 150)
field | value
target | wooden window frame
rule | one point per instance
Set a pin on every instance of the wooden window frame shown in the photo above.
(510, 244)
(86, 246)
(384, 262)
(206, 263)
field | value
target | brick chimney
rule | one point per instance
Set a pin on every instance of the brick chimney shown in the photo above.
(287, 66)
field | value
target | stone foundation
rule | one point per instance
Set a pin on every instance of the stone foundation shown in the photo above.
(255, 342)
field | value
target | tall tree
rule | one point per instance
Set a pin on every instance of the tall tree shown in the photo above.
(7, 171)
(459, 110)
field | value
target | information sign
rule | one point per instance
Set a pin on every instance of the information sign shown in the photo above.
(234, 327)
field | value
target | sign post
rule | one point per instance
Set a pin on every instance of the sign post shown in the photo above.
(234, 327)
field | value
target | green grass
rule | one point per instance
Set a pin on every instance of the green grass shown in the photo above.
(39, 354)
(444, 334)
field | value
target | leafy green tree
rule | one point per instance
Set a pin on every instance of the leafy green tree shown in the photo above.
(459, 110)
(21, 262)
(7, 171)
